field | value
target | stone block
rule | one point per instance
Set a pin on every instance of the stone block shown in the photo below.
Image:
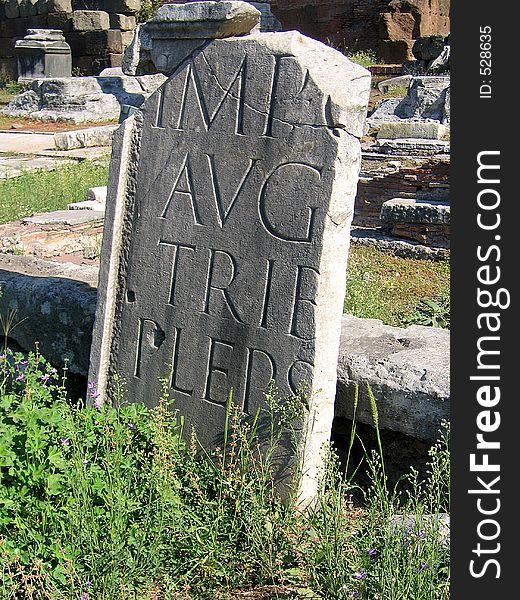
(57, 302)
(429, 47)
(429, 130)
(12, 9)
(115, 60)
(230, 309)
(95, 43)
(395, 51)
(38, 22)
(83, 138)
(126, 38)
(28, 8)
(408, 371)
(62, 21)
(123, 22)
(122, 6)
(90, 20)
(411, 210)
(13, 28)
(43, 53)
(59, 6)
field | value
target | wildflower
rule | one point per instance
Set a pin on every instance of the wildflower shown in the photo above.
(45, 377)
(98, 403)
(53, 371)
(131, 426)
(20, 377)
(371, 552)
(84, 596)
(356, 595)
(24, 363)
(85, 461)
(361, 574)
(88, 583)
(64, 441)
(421, 534)
(423, 567)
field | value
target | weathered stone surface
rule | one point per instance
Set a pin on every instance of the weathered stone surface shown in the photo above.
(83, 138)
(121, 6)
(90, 20)
(252, 243)
(387, 85)
(123, 22)
(43, 53)
(57, 303)
(413, 147)
(408, 372)
(369, 350)
(82, 99)
(178, 30)
(427, 98)
(410, 210)
(59, 6)
(428, 47)
(268, 22)
(427, 130)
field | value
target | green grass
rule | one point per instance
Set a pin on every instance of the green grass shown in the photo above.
(387, 287)
(111, 503)
(45, 191)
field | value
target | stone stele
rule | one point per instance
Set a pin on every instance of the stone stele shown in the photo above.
(230, 198)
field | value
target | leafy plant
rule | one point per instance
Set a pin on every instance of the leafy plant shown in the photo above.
(111, 502)
(431, 313)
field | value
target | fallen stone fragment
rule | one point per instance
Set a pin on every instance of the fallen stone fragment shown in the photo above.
(84, 138)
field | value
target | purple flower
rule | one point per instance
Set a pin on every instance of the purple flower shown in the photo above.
(131, 426)
(421, 534)
(84, 596)
(24, 363)
(85, 461)
(361, 574)
(20, 377)
(98, 403)
(371, 552)
(356, 595)
(45, 377)
(53, 371)
(423, 567)
(88, 583)
(64, 441)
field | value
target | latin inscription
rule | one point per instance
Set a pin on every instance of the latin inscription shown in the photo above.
(210, 281)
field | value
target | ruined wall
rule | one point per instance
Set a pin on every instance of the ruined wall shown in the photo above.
(97, 39)
(387, 27)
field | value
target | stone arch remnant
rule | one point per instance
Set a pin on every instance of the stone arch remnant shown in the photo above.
(230, 199)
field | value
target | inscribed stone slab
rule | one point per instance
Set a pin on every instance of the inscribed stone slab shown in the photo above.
(230, 199)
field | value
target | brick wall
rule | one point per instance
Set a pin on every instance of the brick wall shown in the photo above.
(97, 40)
(388, 27)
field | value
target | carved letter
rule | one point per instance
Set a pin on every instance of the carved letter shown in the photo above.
(184, 185)
(175, 365)
(177, 251)
(267, 293)
(304, 294)
(223, 288)
(260, 371)
(305, 229)
(299, 375)
(150, 336)
(223, 213)
(216, 348)
(193, 80)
